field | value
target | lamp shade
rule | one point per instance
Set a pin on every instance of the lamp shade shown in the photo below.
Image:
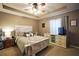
(7, 31)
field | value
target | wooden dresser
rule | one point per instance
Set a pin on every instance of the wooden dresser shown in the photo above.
(9, 42)
(61, 41)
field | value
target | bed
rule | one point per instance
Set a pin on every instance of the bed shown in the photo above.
(32, 44)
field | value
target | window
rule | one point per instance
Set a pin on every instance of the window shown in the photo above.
(54, 25)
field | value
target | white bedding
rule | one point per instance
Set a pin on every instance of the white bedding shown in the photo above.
(32, 45)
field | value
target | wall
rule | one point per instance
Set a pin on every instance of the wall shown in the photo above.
(12, 20)
(72, 31)
(47, 24)
(47, 28)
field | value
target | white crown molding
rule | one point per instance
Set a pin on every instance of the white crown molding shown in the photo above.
(17, 13)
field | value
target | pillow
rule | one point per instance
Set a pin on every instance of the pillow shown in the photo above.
(35, 34)
(19, 33)
(31, 34)
(24, 34)
(27, 35)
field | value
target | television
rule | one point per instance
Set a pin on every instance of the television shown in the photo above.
(61, 31)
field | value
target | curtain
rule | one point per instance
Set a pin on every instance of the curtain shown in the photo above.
(54, 25)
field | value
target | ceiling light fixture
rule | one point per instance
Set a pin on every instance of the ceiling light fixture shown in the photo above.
(37, 8)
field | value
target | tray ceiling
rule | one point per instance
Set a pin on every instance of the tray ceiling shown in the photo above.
(50, 9)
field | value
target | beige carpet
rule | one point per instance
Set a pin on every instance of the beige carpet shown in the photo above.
(12, 51)
(49, 51)
(59, 51)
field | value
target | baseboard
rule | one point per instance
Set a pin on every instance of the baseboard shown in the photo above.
(74, 46)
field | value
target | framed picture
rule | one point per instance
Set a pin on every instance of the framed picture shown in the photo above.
(73, 22)
(43, 25)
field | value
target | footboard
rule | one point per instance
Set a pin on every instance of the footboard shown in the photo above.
(35, 48)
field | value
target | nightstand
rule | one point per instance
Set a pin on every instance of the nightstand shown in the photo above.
(9, 42)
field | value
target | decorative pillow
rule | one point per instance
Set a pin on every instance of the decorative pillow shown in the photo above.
(24, 34)
(27, 35)
(31, 34)
(19, 33)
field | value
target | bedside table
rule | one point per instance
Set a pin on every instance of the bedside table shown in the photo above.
(9, 42)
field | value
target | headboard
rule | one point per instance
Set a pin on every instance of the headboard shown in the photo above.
(20, 29)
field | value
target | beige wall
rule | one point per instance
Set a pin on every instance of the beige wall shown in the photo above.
(72, 15)
(47, 24)
(46, 29)
(12, 20)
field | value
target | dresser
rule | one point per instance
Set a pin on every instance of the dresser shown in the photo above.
(60, 41)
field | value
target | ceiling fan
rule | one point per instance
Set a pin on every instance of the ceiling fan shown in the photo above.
(36, 8)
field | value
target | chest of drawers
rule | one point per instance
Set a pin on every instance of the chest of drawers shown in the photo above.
(61, 40)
